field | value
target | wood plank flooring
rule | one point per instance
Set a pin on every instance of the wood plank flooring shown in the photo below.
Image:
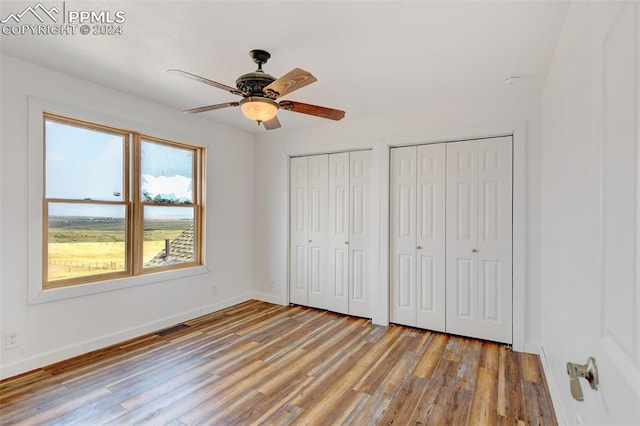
(258, 363)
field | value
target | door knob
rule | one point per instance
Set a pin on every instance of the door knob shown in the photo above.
(419, 247)
(588, 371)
(309, 240)
(474, 250)
(346, 242)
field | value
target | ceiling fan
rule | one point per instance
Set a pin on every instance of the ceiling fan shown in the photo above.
(260, 90)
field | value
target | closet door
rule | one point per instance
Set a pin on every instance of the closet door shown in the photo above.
(430, 236)
(360, 234)
(299, 230)
(318, 230)
(479, 239)
(418, 236)
(338, 238)
(403, 236)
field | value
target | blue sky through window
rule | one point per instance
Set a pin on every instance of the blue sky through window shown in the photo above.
(86, 164)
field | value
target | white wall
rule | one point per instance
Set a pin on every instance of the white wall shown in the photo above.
(473, 119)
(57, 330)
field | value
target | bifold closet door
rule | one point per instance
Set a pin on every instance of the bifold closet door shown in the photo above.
(338, 274)
(417, 213)
(330, 232)
(361, 262)
(299, 230)
(308, 236)
(479, 239)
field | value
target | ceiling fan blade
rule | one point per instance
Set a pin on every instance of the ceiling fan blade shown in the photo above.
(318, 111)
(293, 80)
(229, 89)
(272, 124)
(212, 107)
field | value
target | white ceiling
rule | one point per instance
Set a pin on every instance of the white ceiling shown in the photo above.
(370, 58)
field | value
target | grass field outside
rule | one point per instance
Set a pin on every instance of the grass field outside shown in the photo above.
(84, 248)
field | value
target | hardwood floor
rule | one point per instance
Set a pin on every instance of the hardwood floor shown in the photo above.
(258, 363)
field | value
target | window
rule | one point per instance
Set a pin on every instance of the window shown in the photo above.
(117, 203)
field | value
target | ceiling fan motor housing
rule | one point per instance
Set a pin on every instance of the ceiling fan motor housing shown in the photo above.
(254, 82)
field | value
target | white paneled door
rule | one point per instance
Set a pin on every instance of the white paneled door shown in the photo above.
(418, 236)
(451, 238)
(479, 239)
(330, 232)
(299, 230)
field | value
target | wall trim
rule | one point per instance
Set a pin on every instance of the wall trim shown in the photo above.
(38, 361)
(554, 392)
(265, 297)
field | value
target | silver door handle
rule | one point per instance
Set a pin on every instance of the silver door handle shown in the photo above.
(474, 250)
(346, 242)
(588, 371)
(419, 247)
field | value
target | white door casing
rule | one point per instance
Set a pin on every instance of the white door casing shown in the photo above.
(479, 239)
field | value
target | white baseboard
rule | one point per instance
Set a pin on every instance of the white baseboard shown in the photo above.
(67, 352)
(532, 348)
(553, 389)
(265, 297)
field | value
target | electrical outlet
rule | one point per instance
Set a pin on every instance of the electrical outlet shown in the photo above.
(11, 340)
(273, 284)
(214, 289)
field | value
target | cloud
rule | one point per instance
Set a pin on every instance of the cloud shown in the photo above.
(177, 188)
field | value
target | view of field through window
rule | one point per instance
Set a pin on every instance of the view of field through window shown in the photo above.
(87, 209)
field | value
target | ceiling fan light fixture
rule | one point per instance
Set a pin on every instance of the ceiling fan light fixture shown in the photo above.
(258, 109)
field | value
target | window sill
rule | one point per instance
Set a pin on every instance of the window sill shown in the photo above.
(39, 295)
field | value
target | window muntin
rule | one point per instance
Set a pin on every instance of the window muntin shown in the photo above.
(95, 228)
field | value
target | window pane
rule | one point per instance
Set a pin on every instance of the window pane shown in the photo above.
(167, 174)
(168, 236)
(83, 163)
(85, 239)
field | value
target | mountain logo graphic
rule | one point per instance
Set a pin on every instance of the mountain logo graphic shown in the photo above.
(38, 11)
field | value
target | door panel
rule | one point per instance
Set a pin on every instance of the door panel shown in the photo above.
(495, 239)
(318, 230)
(403, 237)
(360, 233)
(338, 285)
(299, 232)
(479, 239)
(430, 236)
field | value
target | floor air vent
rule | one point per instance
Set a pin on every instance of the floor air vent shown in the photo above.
(173, 329)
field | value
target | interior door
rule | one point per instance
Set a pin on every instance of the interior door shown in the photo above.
(430, 236)
(403, 238)
(479, 239)
(613, 291)
(338, 234)
(299, 230)
(318, 230)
